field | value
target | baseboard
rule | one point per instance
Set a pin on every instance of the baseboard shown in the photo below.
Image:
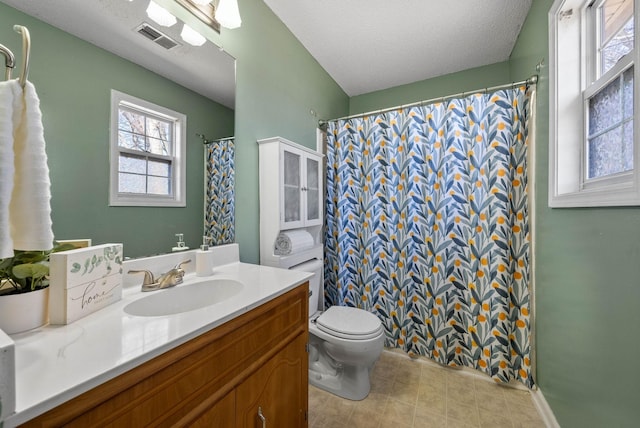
(544, 410)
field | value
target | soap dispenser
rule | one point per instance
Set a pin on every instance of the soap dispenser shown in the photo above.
(204, 261)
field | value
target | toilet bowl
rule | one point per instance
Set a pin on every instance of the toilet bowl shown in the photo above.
(344, 343)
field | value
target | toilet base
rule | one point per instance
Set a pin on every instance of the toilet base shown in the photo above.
(350, 382)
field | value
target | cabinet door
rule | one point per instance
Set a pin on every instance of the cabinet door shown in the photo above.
(313, 191)
(291, 207)
(222, 414)
(275, 396)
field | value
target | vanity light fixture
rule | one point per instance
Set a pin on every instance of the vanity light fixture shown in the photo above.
(191, 36)
(227, 14)
(160, 15)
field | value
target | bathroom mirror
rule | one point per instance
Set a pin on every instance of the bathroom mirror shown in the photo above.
(74, 79)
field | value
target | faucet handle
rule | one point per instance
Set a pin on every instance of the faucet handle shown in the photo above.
(179, 266)
(148, 276)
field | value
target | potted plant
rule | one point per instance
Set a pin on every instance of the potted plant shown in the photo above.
(24, 293)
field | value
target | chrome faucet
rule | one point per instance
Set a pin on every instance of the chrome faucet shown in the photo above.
(169, 279)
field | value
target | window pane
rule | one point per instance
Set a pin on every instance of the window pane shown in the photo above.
(291, 204)
(608, 153)
(313, 208)
(130, 121)
(158, 128)
(605, 108)
(159, 186)
(312, 174)
(133, 164)
(131, 141)
(617, 31)
(131, 183)
(291, 169)
(159, 147)
(159, 168)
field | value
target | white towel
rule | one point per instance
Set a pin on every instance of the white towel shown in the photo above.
(6, 166)
(291, 241)
(30, 206)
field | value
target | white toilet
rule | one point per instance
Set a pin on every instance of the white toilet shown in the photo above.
(344, 343)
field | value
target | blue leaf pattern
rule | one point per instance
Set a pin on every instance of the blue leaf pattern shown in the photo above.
(428, 228)
(219, 222)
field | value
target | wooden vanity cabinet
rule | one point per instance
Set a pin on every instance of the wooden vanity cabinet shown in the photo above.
(255, 363)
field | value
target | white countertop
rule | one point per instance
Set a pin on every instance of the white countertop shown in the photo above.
(57, 363)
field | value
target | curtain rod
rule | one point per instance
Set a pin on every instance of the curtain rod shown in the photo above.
(530, 81)
(217, 140)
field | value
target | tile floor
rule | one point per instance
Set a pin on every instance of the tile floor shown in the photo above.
(419, 393)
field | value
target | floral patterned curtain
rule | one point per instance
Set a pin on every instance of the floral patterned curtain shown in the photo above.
(219, 216)
(428, 228)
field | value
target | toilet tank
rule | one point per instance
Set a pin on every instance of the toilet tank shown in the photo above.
(316, 267)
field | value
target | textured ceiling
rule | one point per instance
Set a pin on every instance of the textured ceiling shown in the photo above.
(110, 24)
(368, 45)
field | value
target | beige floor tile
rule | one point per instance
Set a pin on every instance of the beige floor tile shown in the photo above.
(337, 407)
(397, 414)
(491, 419)
(405, 392)
(518, 397)
(433, 375)
(426, 419)
(432, 403)
(381, 385)
(525, 416)
(460, 393)
(462, 414)
(493, 401)
(444, 397)
(364, 418)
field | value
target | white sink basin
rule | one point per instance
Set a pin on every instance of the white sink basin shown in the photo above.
(184, 298)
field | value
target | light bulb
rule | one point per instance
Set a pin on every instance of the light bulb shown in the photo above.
(191, 36)
(227, 14)
(160, 15)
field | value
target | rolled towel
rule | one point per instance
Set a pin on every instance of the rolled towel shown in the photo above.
(30, 207)
(292, 240)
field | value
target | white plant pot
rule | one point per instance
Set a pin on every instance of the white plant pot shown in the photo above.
(25, 311)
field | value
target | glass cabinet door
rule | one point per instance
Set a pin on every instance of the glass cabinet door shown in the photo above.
(292, 175)
(313, 191)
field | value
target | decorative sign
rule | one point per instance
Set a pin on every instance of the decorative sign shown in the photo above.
(83, 281)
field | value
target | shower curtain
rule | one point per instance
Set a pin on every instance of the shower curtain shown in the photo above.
(219, 215)
(428, 228)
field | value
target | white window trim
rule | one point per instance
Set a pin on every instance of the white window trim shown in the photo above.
(568, 74)
(178, 199)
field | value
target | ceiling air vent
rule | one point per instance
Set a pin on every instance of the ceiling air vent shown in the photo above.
(156, 36)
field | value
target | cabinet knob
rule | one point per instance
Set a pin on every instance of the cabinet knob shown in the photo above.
(262, 418)
(304, 189)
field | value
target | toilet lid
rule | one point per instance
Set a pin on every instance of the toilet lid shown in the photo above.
(349, 323)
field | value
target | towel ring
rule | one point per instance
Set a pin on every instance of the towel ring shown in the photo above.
(26, 51)
(9, 61)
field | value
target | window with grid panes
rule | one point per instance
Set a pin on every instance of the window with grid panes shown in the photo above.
(147, 153)
(593, 101)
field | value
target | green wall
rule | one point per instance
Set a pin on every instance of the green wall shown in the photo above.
(278, 85)
(462, 81)
(73, 80)
(587, 293)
